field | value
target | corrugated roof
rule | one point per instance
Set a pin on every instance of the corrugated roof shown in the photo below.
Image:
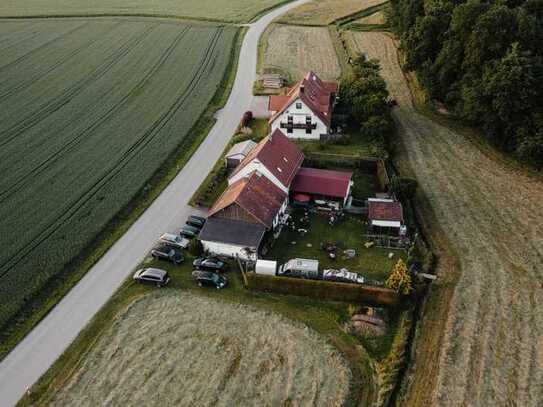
(278, 154)
(314, 92)
(322, 182)
(242, 148)
(383, 209)
(232, 232)
(256, 195)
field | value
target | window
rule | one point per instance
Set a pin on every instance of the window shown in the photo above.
(289, 130)
(290, 119)
(308, 119)
(298, 105)
(308, 130)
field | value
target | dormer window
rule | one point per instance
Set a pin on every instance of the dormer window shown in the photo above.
(279, 169)
(298, 105)
(285, 159)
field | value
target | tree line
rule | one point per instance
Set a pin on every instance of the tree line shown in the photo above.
(484, 61)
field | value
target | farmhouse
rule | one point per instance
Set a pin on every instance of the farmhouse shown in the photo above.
(275, 157)
(305, 112)
(238, 152)
(385, 216)
(253, 199)
(318, 184)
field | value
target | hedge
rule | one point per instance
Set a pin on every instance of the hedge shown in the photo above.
(323, 289)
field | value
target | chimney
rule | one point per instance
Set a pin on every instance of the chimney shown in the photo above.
(302, 88)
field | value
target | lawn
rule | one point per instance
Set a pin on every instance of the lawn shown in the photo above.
(220, 10)
(372, 263)
(352, 146)
(90, 111)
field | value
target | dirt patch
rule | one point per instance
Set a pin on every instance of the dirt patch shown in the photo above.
(292, 50)
(490, 347)
(172, 348)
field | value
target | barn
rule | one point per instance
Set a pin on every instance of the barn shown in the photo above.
(319, 184)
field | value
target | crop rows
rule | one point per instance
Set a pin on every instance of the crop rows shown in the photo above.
(490, 350)
(87, 118)
(223, 10)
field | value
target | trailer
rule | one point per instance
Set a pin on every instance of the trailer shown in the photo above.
(266, 267)
(342, 276)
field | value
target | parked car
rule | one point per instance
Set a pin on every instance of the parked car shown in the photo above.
(166, 252)
(158, 277)
(196, 221)
(210, 279)
(174, 240)
(189, 231)
(209, 263)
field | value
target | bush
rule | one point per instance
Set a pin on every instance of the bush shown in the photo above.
(195, 247)
(404, 188)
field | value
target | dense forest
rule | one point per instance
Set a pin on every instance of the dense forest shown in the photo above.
(484, 61)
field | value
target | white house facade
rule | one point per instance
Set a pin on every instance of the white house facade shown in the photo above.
(298, 121)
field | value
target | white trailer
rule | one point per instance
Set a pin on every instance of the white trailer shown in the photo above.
(266, 267)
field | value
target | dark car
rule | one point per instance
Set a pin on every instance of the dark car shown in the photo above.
(189, 231)
(154, 276)
(196, 221)
(165, 251)
(209, 263)
(210, 279)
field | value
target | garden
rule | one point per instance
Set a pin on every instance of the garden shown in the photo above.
(311, 235)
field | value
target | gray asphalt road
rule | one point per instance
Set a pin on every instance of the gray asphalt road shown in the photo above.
(39, 350)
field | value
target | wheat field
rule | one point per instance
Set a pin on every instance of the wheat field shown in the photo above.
(481, 342)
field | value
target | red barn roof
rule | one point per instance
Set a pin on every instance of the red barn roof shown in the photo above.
(322, 182)
(278, 154)
(316, 94)
(385, 209)
(256, 194)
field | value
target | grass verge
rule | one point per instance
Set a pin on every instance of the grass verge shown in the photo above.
(39, 306)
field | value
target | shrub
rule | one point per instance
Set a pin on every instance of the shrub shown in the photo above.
(400, 279)
(196, 248)
(404, 188)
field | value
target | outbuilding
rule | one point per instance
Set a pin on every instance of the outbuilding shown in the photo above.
(385, 216)
(232, 238)
(321, 184)
(238, 152)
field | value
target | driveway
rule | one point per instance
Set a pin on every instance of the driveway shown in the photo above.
(48, 340)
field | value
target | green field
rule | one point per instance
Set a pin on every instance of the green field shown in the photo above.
(89, 111)
(223, 10)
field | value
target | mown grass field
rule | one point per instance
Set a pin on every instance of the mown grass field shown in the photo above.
(324, 12)
(292, 51)
(89, 110)
(220, 10)
(480, 341)
(176, 348)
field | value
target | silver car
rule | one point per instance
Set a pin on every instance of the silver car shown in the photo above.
(174, 240)
(154, 276)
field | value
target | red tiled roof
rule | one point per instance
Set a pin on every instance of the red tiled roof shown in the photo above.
(322, 182)
(316, 94)
(256, 194)
(277, 102)
(385, 210)
(278, 154)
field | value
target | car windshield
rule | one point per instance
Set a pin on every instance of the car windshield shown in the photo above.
(215, 278)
